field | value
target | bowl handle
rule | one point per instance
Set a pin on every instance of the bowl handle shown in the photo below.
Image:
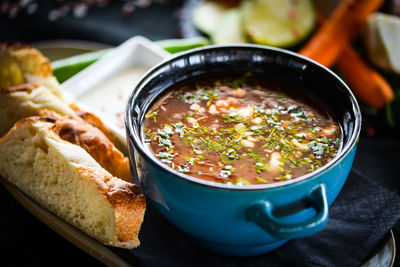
(262, 214)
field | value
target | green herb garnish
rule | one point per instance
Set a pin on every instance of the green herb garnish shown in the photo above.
(261, 180)
(261, 166)
(318, 148)
(165, 157)
(242, 181)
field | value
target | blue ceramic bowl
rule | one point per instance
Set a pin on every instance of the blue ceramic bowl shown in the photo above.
(252, 219)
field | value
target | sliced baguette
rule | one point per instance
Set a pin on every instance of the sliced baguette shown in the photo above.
(27, 100)
(65, 179)
(93, 140)
(22, 64)
(30, 99)
(18, 102)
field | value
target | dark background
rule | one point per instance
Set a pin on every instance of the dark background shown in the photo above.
(106, 24)
(24, 240)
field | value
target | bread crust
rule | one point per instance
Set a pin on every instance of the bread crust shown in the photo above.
(129, 205)
(27, 87)
(95, 143)
(24, 69)
(21, 64)
(125, 198)
(96, 122)
(29, 59)
(74, 129)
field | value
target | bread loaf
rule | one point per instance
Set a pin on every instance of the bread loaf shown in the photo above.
(65, 179)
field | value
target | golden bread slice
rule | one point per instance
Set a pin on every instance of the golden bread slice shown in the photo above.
(65, 179)
(27, 100)
(32, 99)
(18, 102)
(21, 64)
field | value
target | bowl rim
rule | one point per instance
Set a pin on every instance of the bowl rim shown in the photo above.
(139, 145)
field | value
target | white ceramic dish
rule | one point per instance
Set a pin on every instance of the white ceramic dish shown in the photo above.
(136, 51)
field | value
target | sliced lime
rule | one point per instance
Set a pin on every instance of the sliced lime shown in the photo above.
(230, 28)
(206, 16)
(382, 40)
(280, 23)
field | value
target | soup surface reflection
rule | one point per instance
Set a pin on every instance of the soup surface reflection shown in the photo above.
(240, 131)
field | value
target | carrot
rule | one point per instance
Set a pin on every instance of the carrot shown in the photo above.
(344, 23)
(364, 81)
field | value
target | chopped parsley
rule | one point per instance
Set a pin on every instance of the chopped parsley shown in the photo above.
(183, 169)
(165, 157)
(200, 94)
(152, 114)
(179, 129)
(318, 148)
(276, 139)
(242, 181)
(261, 166)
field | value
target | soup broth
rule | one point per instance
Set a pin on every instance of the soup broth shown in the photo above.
(240, 131)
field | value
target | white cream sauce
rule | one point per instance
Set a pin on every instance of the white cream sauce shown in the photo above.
(109, 98)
